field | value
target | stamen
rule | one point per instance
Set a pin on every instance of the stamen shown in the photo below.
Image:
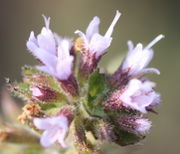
(79, 44)
(153, 42)
(47, 21)
(111, 27)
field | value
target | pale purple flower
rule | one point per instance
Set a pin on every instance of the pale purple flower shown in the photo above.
(55, 129)
(52, 51)
(93, 41)
(138, 58)
(139, 95)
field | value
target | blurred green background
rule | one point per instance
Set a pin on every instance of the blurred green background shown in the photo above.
(141, 21)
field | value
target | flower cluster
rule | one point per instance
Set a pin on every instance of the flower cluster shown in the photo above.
(74, 98)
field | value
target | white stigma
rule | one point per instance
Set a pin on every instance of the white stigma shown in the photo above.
(46, 21)
(153, 42)
(111, 27)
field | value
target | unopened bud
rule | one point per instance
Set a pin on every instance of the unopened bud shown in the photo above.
(134, 124)
(43, 93)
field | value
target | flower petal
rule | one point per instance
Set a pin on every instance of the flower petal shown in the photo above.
(146, 57)
(32, 43)
(49, 137)
(64, 49)
(31, 47)
(143, 125)
(99, 44)
(46, 41)
(130, 45)
(133, 86)
(150, 70)
(61, 138)
(93, 28)
(57, 38)
(48, 59)
(42, 123)
(32, 38)
(137, 59)
(59, 121)
(64, 68)
(132, 58)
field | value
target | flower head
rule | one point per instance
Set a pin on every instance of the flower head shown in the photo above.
(55, 129)
(139, 95)
(83, 99)
(138, 58)
(93, 41)
(52, 51)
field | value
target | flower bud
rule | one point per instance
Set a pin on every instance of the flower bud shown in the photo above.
(43, 93)
(134, 124)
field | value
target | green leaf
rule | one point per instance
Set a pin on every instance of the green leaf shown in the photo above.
(97, 85)
(96, 93)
